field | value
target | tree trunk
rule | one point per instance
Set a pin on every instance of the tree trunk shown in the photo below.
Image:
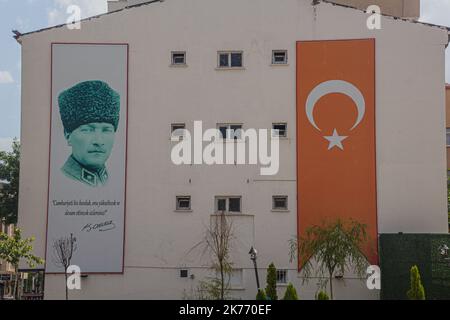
(16, 283)
(222, 294)
(67, 289)
(331, 285)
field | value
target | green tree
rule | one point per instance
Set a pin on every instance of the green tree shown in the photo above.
(417, 291)
(322, 296)
(9, 193)
(271, 288)
(261, 295)
(334, 246)
(291, 293)
(13, 249)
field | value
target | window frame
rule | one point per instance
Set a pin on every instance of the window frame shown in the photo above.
(177, 203)
(229, 60)
(285, 130)
(172, 136)
(274, 208)
(286, 278)
(285, 62)
(227, 204)
(172, 58)
(229, 125)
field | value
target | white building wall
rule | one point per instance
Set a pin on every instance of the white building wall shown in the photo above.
(409, 122)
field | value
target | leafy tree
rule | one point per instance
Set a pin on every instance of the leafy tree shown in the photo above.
(334, 246)
(291, 293)
(9, 193)
(271, 288)
(13, 249)
(322, 296)
(261, 295)
(417, 292)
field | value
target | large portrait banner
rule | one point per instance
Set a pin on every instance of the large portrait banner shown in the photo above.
(87, 176)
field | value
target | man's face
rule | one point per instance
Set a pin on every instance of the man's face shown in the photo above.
(92, 144)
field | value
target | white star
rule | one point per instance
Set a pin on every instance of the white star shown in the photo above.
(336, 140)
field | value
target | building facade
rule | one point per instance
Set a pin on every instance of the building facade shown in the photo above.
(169, 206)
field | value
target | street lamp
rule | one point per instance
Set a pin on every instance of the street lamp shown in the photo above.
(253, 256)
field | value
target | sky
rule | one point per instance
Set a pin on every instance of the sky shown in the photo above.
(29, 15)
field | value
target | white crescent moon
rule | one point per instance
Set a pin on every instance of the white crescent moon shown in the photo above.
(335, 86)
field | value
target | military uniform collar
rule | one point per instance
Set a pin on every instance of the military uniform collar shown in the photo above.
(73, 169)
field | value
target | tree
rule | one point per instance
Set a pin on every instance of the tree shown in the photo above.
(334, 246)
(13, 249)
(417, 291)
(63, 252)
(291, 293)
(271, 288)
(322, 296)
(261, 295)
(217, 242)
(9, 173)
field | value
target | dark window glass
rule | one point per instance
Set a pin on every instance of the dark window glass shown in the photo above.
(235, 131)
(183, 203)
(281, 127)
(281, 276)
(236, 59)
(223, 60)
(178, 58)
(279, 57)
(235, 205)
(221, 205)
(223, 132)
(280, 203)
(183, 273)
(448, 137)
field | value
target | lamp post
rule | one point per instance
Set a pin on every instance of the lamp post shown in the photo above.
(253, 255)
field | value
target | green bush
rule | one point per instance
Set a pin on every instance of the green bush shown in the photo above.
(417, 292)
(322, 296)
(291, 293)
(261, 295)
(271, 288)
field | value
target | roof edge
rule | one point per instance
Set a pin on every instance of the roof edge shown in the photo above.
(314, 2)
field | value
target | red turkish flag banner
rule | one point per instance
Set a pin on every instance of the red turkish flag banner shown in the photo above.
(336, 168)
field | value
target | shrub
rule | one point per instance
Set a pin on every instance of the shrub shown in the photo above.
(261, 295)
(322, 296)
(417, 292)
(291, 293)
(271, 289)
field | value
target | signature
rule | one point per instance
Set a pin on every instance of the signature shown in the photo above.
(102, 226)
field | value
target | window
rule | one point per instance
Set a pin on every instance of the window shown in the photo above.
(279, 203)
(230, 131)
(177, 131)
(282, 276)
(448, 137)
(231, 59)
(184, 203)
(279, 57)
(228, 204)
(279, 130)
(178, 58)
(184, 273)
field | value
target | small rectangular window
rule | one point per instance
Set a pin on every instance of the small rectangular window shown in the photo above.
(179, 58)
(230, 59)
(184, 203)
(279, 130)
(282, 276)
(230, 131)
(279, 203)
(279, 57)
(228, 204)
(448, 137)
(184, 273)
(177, 131)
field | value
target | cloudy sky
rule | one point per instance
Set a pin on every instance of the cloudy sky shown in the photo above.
(28, 15)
